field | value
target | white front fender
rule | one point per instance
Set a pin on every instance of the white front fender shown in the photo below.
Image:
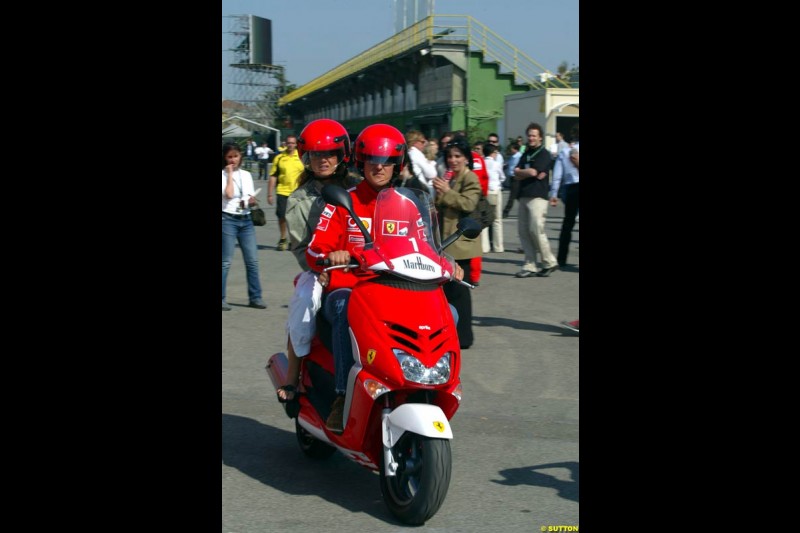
(420, 418)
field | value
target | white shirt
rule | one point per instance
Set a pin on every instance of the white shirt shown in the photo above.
(242, 190)
(501, 160)
(495, 171)
(263, 152)
(424, 169)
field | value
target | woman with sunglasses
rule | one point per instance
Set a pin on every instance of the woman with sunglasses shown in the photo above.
(324, 149)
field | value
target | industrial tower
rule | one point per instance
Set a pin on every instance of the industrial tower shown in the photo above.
(257, 83)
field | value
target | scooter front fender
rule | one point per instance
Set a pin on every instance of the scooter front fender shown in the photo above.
(420, 418)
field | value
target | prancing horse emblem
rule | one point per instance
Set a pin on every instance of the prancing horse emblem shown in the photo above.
(439, 426)
(371, 355)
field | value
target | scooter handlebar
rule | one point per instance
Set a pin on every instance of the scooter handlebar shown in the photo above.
(464, 283)
(327, 264)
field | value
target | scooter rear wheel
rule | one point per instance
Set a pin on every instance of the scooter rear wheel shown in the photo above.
(423, 476)
(312, 447)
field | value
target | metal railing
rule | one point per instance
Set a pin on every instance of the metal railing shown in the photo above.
(441, 29)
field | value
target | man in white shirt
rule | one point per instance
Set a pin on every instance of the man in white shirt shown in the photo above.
(263, 152)
(422, 168)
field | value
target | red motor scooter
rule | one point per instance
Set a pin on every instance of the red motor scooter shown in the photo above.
(404, 385)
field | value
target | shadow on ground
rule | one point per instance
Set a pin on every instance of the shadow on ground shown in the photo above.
(272, 456)
(530, 475)
(493, 321)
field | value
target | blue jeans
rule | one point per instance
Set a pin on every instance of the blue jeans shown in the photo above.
(334, 309)
(242, 230)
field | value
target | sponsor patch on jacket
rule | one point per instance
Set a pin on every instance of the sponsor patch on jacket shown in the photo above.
(328, 211)
(322, 225)
(395, 227)
(351, 224)
(355, 238)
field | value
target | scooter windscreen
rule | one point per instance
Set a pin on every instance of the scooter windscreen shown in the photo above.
(406, 236)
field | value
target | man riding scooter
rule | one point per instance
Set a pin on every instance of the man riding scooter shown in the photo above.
(379, 153)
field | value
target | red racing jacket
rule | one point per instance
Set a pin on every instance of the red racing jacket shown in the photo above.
(337, 230)
(479, 168)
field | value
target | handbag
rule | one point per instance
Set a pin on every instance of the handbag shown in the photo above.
(483, 213)
(257, 216)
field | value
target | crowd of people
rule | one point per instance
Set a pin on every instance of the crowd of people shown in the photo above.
(454, 172)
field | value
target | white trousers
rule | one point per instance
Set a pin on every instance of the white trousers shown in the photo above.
(302, 323)
(495, 200)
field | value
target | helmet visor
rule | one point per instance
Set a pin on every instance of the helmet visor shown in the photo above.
(324, 154)
(384, 160)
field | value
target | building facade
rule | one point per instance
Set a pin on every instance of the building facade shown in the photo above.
(444, 73)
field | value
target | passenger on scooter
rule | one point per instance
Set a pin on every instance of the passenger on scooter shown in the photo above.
(324, 148)
(379, 153)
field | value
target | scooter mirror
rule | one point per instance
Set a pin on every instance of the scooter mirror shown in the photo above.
(470, 227)
(466, 226)
(333, 194)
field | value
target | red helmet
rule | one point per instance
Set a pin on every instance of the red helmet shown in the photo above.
(323, 135)
(381, 143)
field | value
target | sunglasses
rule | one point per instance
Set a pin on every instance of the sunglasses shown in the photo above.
(326, 154)
(382, 160)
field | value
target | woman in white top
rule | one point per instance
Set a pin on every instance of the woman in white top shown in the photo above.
(237, 197)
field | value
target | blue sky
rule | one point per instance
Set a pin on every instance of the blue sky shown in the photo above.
(310, 37)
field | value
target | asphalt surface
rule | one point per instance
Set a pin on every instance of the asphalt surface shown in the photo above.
(515, 451)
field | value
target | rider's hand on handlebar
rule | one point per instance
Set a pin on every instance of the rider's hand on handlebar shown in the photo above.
(458, 272)
(340, 257)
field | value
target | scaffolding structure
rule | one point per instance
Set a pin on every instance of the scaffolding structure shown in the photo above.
(256, 86)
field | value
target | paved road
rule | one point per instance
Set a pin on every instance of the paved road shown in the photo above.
(515, 452)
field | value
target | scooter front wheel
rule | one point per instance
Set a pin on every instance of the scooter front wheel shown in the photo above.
(312, 447)
(423, 476)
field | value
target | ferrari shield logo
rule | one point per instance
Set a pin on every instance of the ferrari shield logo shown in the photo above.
(395, 227)
(439, 426)
(371, 355)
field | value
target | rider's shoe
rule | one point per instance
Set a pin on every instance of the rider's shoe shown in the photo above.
(335, 419)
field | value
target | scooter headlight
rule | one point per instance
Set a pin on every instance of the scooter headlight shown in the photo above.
(415, 371)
